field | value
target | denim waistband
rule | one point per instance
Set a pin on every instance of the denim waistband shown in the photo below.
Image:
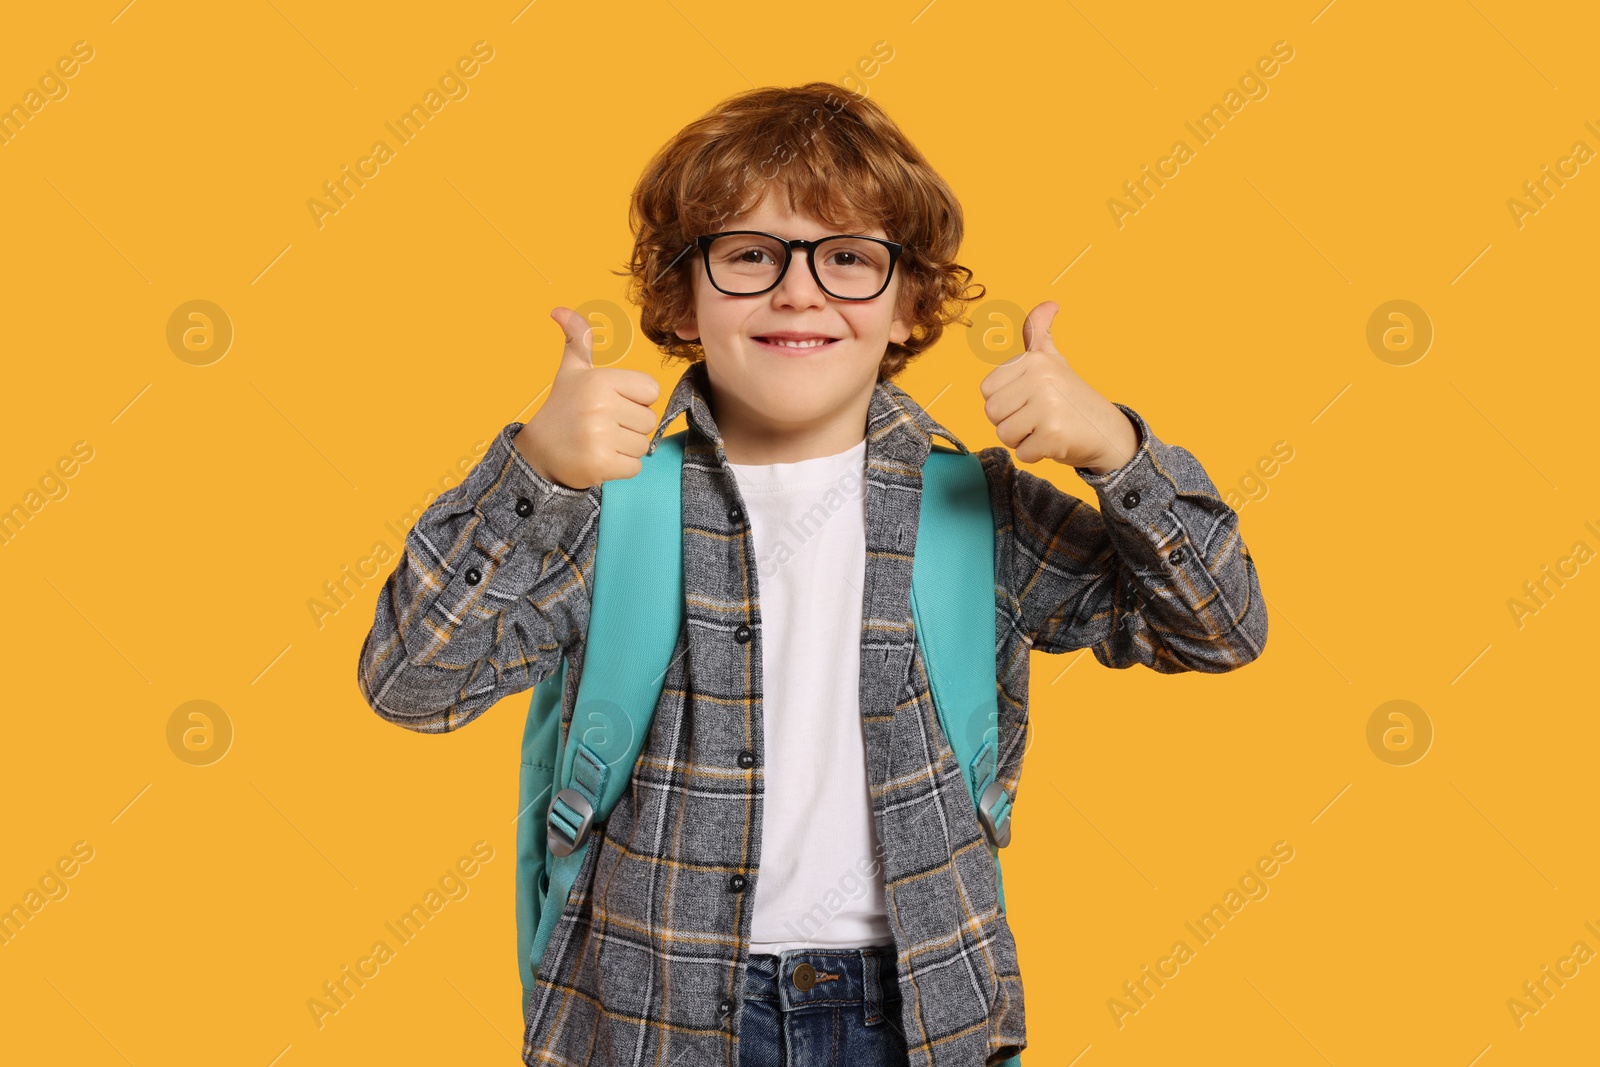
(865, 976)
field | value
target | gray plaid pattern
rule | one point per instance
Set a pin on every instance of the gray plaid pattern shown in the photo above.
(646, 964)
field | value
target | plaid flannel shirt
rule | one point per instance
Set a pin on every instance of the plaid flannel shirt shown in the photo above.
(646, 964)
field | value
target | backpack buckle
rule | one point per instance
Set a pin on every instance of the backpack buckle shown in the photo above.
(570, 819)
(995, 798)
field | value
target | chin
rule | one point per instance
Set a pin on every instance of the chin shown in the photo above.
(794, 405)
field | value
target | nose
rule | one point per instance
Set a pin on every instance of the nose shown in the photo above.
(797, 287)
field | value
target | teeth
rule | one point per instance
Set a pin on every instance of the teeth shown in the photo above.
(800, 344)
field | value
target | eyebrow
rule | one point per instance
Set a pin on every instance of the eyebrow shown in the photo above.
(835, 233)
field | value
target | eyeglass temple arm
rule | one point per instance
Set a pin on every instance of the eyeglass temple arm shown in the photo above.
(679, 256)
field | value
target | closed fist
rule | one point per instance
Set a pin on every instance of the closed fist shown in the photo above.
(597, 421)
(1041, 408)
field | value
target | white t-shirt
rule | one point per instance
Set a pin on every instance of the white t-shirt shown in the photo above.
(820, 883)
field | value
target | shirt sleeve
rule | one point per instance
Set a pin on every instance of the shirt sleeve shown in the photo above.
(493, 586)
(1159, 575)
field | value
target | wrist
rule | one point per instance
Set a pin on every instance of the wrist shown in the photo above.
(1122, 435)
(524, 443)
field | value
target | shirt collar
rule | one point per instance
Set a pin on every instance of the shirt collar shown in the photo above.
(897, 426)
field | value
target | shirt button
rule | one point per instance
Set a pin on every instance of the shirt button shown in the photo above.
(1177, 555)
(725, 1008)
(747, 758)
(1130, 499)
(742, 634)
(735, 516)
(473, 576)
(524, 507)
(736, 884)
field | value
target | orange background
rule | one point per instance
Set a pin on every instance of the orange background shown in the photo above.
(370, 354)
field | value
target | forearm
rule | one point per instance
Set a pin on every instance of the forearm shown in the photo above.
(1158, 576)
(492, 585)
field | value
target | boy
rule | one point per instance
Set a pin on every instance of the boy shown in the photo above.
(796, 872)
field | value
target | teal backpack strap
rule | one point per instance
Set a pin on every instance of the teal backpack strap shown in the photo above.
(541, 744)
(953, 605)
(635, 616)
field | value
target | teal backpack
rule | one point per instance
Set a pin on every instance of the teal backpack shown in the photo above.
(637, 606)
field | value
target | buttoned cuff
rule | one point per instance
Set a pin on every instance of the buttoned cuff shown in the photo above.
(518, 508)
(1136, 492)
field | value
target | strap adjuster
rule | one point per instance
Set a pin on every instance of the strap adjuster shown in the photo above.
(995, 798)
(570, 819)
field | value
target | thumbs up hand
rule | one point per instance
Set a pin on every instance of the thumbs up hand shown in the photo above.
(1041, 408)
(597, 421)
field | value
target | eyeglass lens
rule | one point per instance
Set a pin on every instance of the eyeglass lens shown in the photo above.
(849, 267)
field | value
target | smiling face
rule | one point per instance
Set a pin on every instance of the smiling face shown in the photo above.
(778, 404)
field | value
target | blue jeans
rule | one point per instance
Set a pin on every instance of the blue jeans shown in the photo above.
(847, 1013)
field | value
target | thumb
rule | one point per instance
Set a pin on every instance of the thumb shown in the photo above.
(579, 350)
(1036, 328)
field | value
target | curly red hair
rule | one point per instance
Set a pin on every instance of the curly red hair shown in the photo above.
(838, 157)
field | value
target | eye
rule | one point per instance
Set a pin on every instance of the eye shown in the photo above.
(854, 256)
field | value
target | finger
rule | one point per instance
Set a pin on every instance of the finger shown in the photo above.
(635, 417)
(1000, 377)
(1037, 327)
(579, 350)
(1007, 401)
(1014, 429)
(1028, 451)
(631, 444)
(636, 385)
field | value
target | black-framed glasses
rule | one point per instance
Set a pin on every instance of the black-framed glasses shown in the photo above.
(846, 266)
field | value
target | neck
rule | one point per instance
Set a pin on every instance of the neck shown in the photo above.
(750, 438)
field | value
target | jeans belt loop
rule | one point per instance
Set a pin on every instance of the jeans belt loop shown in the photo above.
(872, 987)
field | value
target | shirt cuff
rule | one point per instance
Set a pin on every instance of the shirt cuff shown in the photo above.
(1143, 446)
(517, 503)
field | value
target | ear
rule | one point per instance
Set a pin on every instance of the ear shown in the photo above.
(689, 329)
(899, 329)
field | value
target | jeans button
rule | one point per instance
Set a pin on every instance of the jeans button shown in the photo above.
(804, 977)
